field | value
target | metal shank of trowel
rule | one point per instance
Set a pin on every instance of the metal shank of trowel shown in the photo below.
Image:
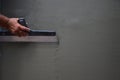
(31, 33)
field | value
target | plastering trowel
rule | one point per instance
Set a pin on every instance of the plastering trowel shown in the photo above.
(33, 36)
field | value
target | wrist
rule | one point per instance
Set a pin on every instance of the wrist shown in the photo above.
(4, 21)
(7, 23)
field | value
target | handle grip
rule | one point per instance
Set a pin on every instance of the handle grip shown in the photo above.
(22, 22)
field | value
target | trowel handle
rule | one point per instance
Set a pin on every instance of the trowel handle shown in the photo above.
(22, 22)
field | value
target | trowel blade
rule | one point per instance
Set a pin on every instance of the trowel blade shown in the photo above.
(42, 39)
(42, 36)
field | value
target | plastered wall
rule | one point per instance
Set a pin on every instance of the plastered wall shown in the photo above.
(89, 35)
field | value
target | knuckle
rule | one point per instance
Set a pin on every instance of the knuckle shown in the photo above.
(13, 31)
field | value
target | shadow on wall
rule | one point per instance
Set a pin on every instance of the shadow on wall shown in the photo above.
(12, 61)
(0, 68)
(1, 53)
(15, 66)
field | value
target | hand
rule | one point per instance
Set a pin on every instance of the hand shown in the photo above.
(16, 28)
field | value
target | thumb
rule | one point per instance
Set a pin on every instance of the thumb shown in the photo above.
(23, 28)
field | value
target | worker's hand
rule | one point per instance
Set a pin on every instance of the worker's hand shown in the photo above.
(16, 28)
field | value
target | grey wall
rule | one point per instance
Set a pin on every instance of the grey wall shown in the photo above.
(0, 4)
(0, 53)
(89, 46)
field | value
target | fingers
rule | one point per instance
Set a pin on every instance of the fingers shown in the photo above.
(20, 31)
(25, 29)
(16, 28)
(21, 34)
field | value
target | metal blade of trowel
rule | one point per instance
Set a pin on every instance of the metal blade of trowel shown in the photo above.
(33, 36)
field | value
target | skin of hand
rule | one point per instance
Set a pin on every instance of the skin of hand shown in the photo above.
(16, 28)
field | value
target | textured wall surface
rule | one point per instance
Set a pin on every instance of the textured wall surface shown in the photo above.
(89, 46)
(0, 53)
